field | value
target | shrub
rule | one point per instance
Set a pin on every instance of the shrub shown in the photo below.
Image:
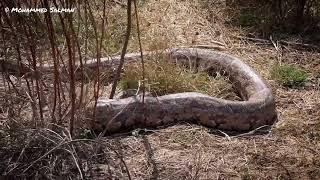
(269, 15)
(247, 19)
(289, 75)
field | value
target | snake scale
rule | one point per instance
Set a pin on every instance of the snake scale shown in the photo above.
(256, 109)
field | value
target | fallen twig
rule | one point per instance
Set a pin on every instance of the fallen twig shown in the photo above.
(282, 42)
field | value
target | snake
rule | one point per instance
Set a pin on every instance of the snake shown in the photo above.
(256, 109)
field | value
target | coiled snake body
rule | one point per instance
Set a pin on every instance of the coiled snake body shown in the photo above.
(115, 115)
(256, 109)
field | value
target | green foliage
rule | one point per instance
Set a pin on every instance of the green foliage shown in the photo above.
(289, 75)
(247, 18)
(270, 16)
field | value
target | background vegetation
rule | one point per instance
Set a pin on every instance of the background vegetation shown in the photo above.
(273, 16)
(163, 77)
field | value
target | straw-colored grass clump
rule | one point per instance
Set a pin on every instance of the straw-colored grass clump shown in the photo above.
(163, 77)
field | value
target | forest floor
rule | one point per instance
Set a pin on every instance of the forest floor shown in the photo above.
(290, 149)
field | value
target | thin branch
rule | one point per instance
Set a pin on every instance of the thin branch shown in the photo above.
(124, 50)
(51, 37)
(70, 47)
(283, 42)
(141, 51)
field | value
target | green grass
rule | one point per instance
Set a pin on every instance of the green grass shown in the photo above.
(289, 76)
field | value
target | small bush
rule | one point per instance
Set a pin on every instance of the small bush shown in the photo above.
(289, 75)
(246, 18)
(166, 78)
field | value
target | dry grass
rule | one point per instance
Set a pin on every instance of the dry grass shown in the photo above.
(163, 77)
(289, 151)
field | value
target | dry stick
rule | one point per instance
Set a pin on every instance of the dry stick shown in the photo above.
(71, 54)
(71, 71)
(251, 132)
(124, 50)
(78, 164)
(64, 68)
(120, 156)
(55, 148)
(29, 87)
(17, 45)
(79, 53)
(99, 48)
(80, 20)
(73, 41)
(43, 102)
(5, 74)
(32, 62)
(124, 163)
(86, 40)
(70, 143)
(56, 89)
(150, 155)
(17, 48)
(280, 41)
(141, 52)
(82, 82)
(33, 105)
(13, 29)
(32, 47)
(60, 90)
(77, 160)
(76, 41)
(97, 79)
(2, 66)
